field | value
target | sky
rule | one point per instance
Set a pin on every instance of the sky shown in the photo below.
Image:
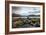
(26, 10)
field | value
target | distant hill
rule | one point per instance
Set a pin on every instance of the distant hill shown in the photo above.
(17, 15)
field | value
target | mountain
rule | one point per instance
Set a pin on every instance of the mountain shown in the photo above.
(17, 15)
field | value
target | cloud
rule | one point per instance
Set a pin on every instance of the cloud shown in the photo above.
(26, 10)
